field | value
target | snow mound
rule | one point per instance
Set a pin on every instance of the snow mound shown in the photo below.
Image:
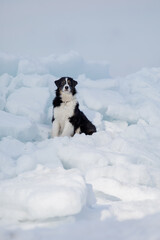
(43, 194)
(29, 102)
(63, 65)
(127, 99)
(17, 126)
(20, 157)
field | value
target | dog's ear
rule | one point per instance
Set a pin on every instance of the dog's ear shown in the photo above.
(75, 83)
(57, 82)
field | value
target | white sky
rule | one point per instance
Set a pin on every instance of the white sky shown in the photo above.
(126, 33)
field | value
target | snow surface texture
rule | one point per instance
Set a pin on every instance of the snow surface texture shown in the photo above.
(104, 186)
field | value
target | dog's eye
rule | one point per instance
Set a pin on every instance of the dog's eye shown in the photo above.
(69, 82)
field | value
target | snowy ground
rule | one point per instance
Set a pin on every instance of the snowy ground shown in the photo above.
(104, 186)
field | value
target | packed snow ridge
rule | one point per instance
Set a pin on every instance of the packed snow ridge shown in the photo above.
(105, 181)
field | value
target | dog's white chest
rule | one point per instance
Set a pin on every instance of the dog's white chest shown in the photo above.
(64, 112)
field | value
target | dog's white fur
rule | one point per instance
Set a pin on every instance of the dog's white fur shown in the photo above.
(61, 125)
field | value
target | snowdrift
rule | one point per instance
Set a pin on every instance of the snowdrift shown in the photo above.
(70, 64)
(111, 178)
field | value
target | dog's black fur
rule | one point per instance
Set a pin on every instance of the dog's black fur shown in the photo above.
(78, 119)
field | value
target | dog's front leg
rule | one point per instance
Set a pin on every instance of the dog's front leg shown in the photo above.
(68, 130)
(55, 129)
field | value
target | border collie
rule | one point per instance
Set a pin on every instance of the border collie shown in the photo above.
(67, 118)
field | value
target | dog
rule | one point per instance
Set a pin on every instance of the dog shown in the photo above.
(67, 118)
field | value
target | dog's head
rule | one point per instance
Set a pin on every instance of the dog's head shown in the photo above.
(66, 84)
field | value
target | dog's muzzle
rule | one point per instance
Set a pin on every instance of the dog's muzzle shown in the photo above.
(66, 88)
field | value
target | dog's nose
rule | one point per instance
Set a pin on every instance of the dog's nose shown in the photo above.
(66, 87)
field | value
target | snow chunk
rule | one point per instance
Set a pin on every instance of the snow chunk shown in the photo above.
(17, 126)
(81, 153)
(17, 157)
(42, 194)
(42, 153)
(29, 102)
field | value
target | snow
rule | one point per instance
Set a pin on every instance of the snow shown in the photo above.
(26, 102)
(16, 126)
(106, 185)
(67, 64)
(42, 193)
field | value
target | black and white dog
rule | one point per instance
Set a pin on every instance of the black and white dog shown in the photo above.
(67, 118)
